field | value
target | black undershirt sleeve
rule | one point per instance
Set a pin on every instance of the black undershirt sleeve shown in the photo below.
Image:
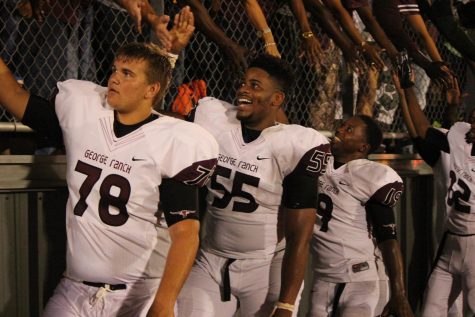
(178, 201)
(382, 220)
(439, 139)
(299, 190)
(40, 115)
(427, 151)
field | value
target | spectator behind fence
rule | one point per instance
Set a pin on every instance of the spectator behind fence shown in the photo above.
(124, 161)
(442, 14)
(371, 53)
(259, 22)
(390, 14)
(310, 44)
(367, 83)
(328, 23)
(234, 54)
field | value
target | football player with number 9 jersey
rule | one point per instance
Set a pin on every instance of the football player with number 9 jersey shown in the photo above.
(123, 161)
(262, 165)
(355, 200)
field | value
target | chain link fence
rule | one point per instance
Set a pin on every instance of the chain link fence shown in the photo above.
(78, 39)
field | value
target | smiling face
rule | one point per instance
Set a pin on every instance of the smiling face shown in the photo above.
(258, 99)
(129, 90)
(350, 140)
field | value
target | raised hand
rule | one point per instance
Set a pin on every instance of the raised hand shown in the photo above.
(452, 93)
(235, 55)
(182, 31)
(440, 73)
(311, 49)
(353, 59)
(33, 8)
(134, 8)
(372, 55)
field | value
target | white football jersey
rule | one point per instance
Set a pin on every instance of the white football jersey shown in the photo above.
(342, 246)
(245, 191)
(461, 191)
(114, 183)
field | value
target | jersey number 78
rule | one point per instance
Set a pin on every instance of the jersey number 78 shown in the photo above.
(93, 174)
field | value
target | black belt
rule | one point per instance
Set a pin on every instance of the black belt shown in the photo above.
(340, 287)
(112, 287)
(226, 294)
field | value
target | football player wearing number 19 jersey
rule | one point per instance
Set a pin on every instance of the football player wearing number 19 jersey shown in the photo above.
(355, 200)
(454, 269)
(123, 160)
(262, 165)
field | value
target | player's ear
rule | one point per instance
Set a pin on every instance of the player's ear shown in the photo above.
(364, 148)
(153, 90)
(278, 98)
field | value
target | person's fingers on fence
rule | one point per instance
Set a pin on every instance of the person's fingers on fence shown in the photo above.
(272, 50)
(452, 93)
(353, 59)
(159, 27)
(397, 83)
(39, 7)
(134, 8)
(235, 55)
(24, 9)
(215, 6)
(312, 49)
(374, 56)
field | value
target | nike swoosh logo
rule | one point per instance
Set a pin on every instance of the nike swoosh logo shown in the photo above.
(137, 159)
(262, 158)
(344, 183)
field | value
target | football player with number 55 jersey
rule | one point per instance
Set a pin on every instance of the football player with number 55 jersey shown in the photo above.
(262, 166)
(123, 161)
(355, 200)
(454, 269)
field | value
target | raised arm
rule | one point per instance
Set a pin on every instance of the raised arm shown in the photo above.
(418, 25)
(134, 8)
(327, 22)
(258, 20)
(233, 52)
(418, 117)
(366, 15)
(388, 16)
(310, 44)
(12, 96)
(404, 108)
(348, 25)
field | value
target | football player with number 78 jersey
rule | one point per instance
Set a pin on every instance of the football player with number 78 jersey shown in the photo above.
(123, 160)
(262, 166)
(355, 200)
